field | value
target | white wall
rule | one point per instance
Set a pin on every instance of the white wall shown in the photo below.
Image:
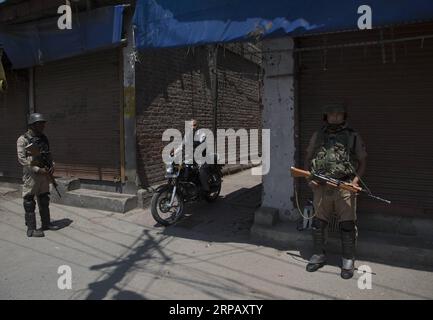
(278, 116)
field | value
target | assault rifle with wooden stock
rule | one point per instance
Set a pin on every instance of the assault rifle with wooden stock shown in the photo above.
(335, 183)
(36, 151)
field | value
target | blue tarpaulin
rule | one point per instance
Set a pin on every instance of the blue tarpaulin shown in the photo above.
(35, 43)
(175, 23)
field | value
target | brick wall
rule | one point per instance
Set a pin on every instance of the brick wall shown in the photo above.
(173, 85)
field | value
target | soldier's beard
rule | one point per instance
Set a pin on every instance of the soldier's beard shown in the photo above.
(36, 132)
(336, 127)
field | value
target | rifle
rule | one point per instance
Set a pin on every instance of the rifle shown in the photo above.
(35, 150)
(335, 183)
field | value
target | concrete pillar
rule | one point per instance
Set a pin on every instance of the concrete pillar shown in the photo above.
(279, 117)
(129, 166)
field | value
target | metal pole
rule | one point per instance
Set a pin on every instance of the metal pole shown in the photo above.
(31, 90)
(213, 68)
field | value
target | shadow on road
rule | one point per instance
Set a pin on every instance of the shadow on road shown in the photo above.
(140, 253)
(62, 223)
(230, 219)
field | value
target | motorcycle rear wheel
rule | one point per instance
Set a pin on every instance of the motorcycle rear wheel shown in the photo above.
(213, 195)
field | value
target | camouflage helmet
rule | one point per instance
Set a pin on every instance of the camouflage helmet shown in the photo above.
(335, 107)
(35, 117)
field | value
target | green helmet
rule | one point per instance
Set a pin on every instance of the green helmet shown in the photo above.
(35, 117)
(334, 108)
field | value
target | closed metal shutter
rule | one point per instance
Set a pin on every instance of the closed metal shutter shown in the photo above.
(81, 98)
(13, 119)
(389, 93)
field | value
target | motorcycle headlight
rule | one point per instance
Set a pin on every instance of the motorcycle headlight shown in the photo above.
(169, 170)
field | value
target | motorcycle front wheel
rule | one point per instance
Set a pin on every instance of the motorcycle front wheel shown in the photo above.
(162, 211)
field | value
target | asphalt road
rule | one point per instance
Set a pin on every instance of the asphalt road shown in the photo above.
(208, 255)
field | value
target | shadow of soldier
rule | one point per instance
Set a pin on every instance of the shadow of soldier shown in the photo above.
(128, 295)
(62, 223)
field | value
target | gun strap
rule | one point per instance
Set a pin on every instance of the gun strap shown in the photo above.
(43, 138)
(28, 136)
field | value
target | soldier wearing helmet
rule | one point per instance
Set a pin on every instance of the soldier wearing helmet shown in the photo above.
(336, 151)
(36, 182)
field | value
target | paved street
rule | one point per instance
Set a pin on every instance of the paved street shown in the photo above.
(208, 255)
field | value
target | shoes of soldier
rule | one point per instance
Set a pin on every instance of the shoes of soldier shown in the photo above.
(346, 274)
(35, 233)
(51, 227)
(312, 267)
(347, 268)
(316, 262)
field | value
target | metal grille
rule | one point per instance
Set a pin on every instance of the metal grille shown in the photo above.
(13, 119)
(81, 98)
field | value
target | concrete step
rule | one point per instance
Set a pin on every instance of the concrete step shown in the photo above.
(406, 251)
(97, 199)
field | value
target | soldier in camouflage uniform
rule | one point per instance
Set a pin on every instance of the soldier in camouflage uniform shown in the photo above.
(336, 151)
(31, 147)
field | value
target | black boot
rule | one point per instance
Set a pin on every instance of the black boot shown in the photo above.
(347, 268)
(44, 211)
(348, 244)
(37, 233)
(318, 259)
(30, 217)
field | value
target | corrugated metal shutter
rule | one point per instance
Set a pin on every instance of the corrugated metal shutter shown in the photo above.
(81, 98)
(389, 95)
(13, 117)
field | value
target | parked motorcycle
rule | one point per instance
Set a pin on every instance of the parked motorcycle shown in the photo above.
(183, 186)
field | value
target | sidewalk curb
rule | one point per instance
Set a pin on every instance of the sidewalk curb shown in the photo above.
(375, 246)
